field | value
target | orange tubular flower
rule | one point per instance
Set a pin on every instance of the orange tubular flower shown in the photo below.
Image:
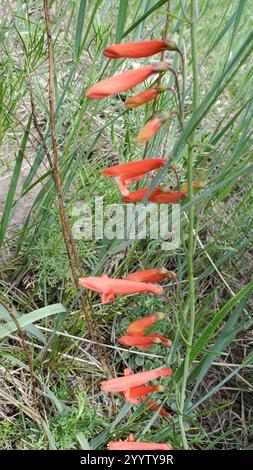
(137, 196)
(151, 405)
(150, 129)
(138, 327)
(131, 170)
(143, 390)
(144, 342)
(124, 81)
(130, 444)
(167, 198)
(142, 98)
(109, 288)
(151, 275)
(134, 49)
(122, 185)
(135, 395)
(122, 384)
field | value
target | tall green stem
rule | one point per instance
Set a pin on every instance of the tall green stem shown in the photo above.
(190, 253)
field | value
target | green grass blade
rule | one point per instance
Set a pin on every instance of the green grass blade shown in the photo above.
(210, 329)
(31, 329)
(82, 441)
(122, 17)
(31, 317)
(13, 184)
(79, 27)
(143, 17)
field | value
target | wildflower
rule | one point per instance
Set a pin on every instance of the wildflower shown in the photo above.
(122, 185)
(151, 275)
(143, 390)
(134, 49)
(144, 342)
(139, 194)
(138, 327)
(150, 129)
(122, 384)
(124, 81)
(130, 444)
(168, 198)
(151, 405)
(142, 98)
(135, 395)
(135, 169)
(109, 288)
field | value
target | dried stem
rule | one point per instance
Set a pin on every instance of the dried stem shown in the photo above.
(68, 239)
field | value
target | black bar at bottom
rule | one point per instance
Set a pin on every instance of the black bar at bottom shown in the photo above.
(107, 459)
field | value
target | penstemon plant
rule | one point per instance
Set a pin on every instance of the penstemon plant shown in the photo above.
(170, 139)
(125, 175)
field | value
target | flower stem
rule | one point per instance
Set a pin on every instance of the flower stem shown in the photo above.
(190, 253)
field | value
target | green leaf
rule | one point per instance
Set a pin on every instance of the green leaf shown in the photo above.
(31, 317)
(227, 335)
(122, 16)
(144, 16)
(79, 27)
(82, 441)
(31, 329)
(210, 329)
(103, 436)
(13, 184)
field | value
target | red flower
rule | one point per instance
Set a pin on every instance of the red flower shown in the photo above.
(139, 194)
(135, 169)
(109, 288)
(143, 390)
(122, 185)
(126, 173)
(142, 98)
(157, 196)
(135, 395)
(130, 444)
(151, 275)
(124, 81)
(167, 198)
(134, 49)
(151, 405)
(138, 327)
(150, 129)
(122, 384)
(144, 342)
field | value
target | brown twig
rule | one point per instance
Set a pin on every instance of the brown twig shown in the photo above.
(67, 235)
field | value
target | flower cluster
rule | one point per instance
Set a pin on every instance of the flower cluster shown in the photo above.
(133, 388)
(136, 388)
(131, 78)
(136, 334)
(127, 173)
